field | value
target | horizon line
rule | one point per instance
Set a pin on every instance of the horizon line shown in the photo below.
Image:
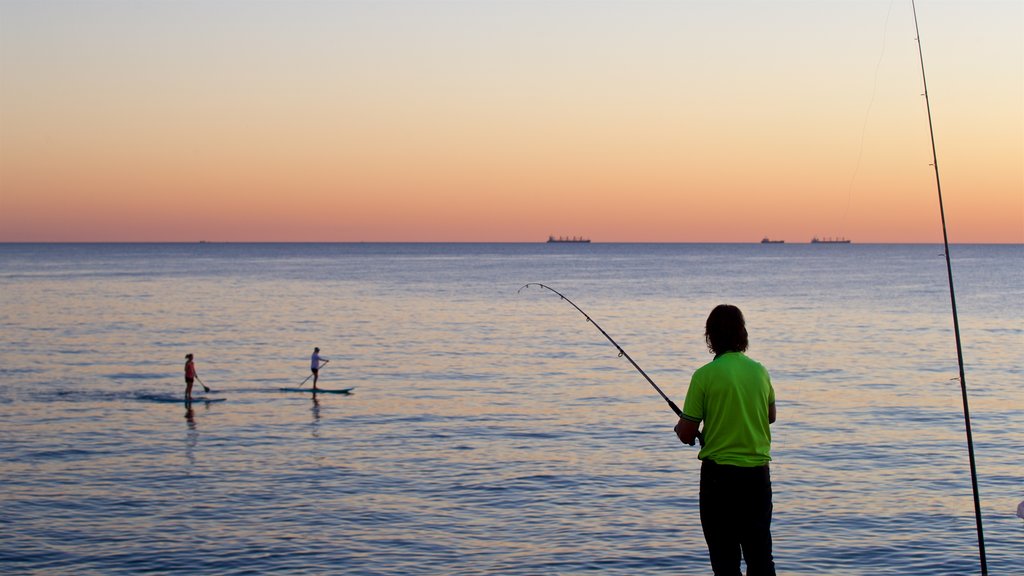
(510, 242)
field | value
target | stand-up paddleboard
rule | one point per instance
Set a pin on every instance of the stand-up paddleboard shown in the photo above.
(207, 400)
(319, 390)
(173, 398)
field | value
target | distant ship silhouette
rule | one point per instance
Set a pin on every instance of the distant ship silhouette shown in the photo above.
(568, 240)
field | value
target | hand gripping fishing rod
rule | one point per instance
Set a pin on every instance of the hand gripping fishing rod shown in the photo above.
(622, 353)
(952, 299)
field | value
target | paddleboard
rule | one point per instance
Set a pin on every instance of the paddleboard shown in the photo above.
(172, 398)
(318, 390)
(207, 400)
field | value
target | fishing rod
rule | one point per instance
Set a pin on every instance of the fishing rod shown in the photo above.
(622, 353)
(952, 299)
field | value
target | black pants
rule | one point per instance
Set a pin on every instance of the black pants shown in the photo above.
(736, 514)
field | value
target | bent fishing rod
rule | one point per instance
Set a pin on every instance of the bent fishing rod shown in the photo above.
(622, 353)
(952, 299)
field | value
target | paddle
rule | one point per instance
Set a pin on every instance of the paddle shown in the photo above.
(310, 376)
(205, 387)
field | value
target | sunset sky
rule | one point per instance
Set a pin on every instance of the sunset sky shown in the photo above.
(507, 121)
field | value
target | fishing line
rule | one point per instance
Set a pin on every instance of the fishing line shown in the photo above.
(952, 299)
(622, 353)
(867, 117)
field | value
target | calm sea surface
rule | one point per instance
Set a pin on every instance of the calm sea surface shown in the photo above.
(492, 432)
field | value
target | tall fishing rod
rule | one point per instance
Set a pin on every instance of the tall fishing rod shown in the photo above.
(952, 299)
(622, 353)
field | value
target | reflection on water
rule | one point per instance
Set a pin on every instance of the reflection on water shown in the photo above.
(494, 433)
(315, 410)
(191, 436)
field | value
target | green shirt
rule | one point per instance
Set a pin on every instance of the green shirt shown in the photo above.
(731, 394)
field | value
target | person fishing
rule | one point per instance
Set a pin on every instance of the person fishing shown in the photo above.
(315, 362)
(733, 396)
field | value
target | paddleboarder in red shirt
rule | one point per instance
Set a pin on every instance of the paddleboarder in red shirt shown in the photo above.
(190, 377)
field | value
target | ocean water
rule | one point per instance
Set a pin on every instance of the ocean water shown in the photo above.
(492, 431)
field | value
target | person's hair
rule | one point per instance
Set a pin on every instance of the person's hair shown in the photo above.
(725, 330)
(316, 349)
(188, 356)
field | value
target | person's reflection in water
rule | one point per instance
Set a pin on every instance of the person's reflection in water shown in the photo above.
(316, 416)
(191, 435)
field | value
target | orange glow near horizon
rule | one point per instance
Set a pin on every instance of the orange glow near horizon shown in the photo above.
(507, 122)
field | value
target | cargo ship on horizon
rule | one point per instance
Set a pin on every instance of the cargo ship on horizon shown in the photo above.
(568, 240)
(837, 240)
